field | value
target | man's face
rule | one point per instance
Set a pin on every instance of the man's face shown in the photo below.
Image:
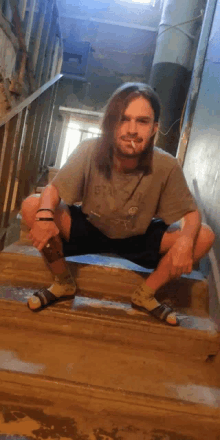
(135, 129)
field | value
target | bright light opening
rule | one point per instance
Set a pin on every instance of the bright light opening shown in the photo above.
(77, 132)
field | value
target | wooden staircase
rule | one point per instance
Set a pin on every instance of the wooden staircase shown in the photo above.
(94, 368)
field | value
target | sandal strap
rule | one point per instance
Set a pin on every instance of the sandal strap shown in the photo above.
(45, 296)
(162, 312)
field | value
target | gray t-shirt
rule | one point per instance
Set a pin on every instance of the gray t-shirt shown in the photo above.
(124, 205)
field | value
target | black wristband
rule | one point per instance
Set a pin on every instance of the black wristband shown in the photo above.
(45, 209)
(44, 219)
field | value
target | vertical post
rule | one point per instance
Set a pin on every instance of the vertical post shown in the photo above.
(44, 42)
(38, 37)
(1, 4)
(8, 11)
(22, 8)
(30, 22)
(13, 168)
(9, 140)
(50, 104)
(55, 58)
(44, 105)
(2, 133)
(51, 126)
(23, 178)
(50, 47)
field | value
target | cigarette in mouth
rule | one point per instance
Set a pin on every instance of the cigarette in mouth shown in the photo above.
(133, 144)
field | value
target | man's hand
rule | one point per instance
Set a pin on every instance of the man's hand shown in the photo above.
(181, 256)
(41, 232)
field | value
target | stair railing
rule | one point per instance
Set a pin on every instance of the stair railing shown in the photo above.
(25, 149)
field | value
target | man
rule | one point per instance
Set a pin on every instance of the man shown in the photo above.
(130, 192)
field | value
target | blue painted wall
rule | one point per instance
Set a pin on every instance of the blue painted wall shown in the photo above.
(203, 154)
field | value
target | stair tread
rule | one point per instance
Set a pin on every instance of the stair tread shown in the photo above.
(103, 362)
(104, 289)
(103, 277)
(112, 309)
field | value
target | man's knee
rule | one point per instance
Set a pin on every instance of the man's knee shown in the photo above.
(29, 208)
(207, 236)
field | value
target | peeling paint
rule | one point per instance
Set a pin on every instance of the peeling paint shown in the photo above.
(10, 361)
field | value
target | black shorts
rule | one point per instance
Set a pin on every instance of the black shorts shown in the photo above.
(87, 239)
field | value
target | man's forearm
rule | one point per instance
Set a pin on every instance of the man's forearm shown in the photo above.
(50, 198)
(191, 224)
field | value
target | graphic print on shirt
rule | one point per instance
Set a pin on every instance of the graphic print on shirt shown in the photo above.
(119, 206)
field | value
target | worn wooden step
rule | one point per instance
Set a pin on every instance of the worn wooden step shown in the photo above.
(109, 321)
(112, 281)
(36, 407)
(102, 277)
(96, 364)
(95, 368)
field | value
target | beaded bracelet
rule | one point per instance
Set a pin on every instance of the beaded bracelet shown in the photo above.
(45, 209)
(44, 219)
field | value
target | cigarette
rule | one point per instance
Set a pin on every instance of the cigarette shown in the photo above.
(133, 144)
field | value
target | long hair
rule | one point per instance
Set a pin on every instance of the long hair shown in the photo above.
(114, 111)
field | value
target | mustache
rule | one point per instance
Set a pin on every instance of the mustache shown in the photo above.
(131, 138)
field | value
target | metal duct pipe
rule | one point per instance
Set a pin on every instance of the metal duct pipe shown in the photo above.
(172, 65)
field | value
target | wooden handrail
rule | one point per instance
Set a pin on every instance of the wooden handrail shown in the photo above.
(29, 100)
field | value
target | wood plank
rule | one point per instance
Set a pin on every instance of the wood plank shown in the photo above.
(32, 6)
(29, 100)
(46, 109)
(44, 42)
(33, 406)
(14, 165)
(56, 64)
(42, 113)
(6, 26)
(2, 237)
(29, 144)
(111, 323)
(40, 20)
(50, 47)
(22, 8)
(2, 135)
(46, 161)
(49, 112)
(6, 161)
(55, 136)
(123, 359)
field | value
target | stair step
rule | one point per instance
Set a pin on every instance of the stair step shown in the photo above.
(196, 337)
(106, 284)
(101, 362)
(103, 277)
(115, 370)
(34, 406)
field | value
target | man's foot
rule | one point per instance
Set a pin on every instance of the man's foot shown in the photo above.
(45, 297)
(144, 299)
(162, 312)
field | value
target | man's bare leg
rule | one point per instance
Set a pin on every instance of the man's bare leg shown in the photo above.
(52, 252)
(144, 296)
